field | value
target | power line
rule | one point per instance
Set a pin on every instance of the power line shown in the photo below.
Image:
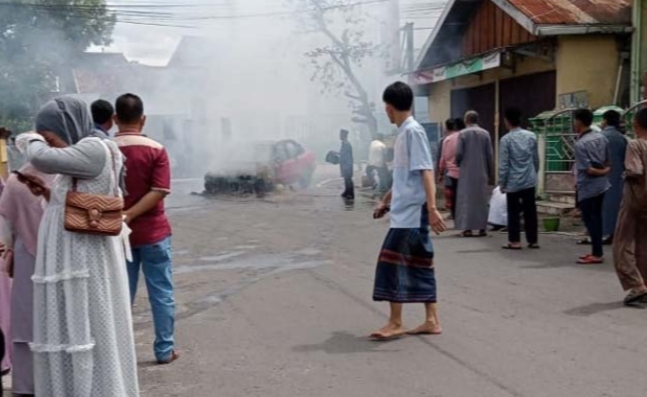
(138, 17)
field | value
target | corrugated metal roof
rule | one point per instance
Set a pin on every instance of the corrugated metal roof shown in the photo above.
(575, 12)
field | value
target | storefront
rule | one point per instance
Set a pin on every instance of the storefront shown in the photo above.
(492, 54)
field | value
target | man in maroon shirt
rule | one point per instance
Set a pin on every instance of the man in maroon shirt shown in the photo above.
(148, 182)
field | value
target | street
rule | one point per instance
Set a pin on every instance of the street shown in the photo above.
(274, 300)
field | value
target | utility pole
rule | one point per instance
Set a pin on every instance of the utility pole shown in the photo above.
(391, 36)
(409, 50)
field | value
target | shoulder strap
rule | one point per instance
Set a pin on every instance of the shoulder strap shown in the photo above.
(115, 174)
(114, 178)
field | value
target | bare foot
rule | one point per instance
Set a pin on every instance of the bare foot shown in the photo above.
(428, 328)
(390, 331)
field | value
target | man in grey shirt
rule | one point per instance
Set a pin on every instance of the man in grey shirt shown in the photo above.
(593, 166)
(519, 165)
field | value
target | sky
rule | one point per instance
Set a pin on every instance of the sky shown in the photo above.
(154, 45)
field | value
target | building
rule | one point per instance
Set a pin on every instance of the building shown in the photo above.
(639, 51)
(487, 55)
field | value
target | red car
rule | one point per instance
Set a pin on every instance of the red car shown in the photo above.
(260, 169)
(293, 163)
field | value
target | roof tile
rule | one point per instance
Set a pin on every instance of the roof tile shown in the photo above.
(575, 12)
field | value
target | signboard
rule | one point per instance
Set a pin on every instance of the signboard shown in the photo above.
(470, 66)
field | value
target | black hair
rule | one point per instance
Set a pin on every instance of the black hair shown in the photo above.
(399, 95)
(513, 116)
(472, 117)
(585, 116)
(613, 118)
(102, 111)
(459, 124)
(130, 108)
(641, 118)
(450, 124)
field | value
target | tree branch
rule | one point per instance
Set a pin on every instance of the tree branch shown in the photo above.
(351, 96)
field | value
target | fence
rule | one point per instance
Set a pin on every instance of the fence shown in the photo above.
(556, 129)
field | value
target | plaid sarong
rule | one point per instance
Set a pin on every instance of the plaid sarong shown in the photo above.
(405, 272)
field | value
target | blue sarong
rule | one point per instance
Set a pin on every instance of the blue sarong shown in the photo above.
(405, 271)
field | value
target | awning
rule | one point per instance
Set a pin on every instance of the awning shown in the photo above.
(460, 68)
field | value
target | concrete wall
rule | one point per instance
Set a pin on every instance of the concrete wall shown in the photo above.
(588, 63)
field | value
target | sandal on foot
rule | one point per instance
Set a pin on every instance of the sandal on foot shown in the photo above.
(482, 233)
(534, 246)
(467, 233)
(511, 247)
(590, 260)
(174, 356)
(584, 241)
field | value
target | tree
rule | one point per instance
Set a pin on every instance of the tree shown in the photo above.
(38, 40)
(336, 65)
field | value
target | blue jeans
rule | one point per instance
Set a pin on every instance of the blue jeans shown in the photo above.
(155, 262)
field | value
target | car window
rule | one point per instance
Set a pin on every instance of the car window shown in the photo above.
(281, 153)
(294, 149)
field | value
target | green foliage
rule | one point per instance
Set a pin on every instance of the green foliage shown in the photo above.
(39, 39)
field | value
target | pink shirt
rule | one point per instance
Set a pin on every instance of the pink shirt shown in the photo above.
(448, 157)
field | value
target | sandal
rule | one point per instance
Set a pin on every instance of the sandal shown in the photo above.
(635, 297)
(174, 356)
(584, 241)
(534, 246)
(590, 260)
(482, 233)
(511, 247)
(467, 233)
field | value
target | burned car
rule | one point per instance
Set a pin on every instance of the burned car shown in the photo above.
(259, 169)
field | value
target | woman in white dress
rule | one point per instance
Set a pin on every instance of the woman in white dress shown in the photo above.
(83, 337)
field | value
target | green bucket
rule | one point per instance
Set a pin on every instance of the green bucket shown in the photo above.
(551, 224)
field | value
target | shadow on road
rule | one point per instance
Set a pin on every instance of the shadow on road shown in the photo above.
(344, 343)
(595, 308)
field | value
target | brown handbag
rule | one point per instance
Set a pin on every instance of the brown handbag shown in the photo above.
(94, 214)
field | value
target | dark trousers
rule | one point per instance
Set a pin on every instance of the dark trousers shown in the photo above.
(349, 192)
(591, 209)
(454, 188)
(518, 202)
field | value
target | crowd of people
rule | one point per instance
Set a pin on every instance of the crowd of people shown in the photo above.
(75, 232)
(611, 184)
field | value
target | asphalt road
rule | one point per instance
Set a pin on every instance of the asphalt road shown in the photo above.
(274, 300)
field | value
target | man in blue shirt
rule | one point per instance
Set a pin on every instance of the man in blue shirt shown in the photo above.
(103, 114)
(519, 165)
(405, 271)
(593, 166)
(617, 151)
